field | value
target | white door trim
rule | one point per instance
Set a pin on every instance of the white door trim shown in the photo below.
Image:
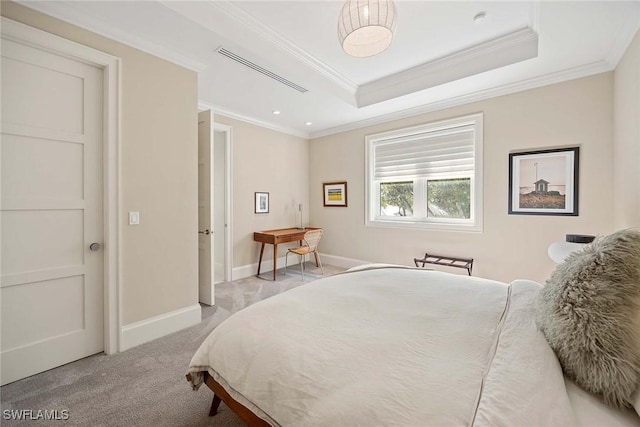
(110, 65)
(206, 212)
(228, 205)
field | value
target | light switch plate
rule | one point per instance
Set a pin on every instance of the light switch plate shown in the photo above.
(134, 218)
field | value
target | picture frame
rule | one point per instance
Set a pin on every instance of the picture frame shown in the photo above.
(544, 182)
(335, 193)
(261, 202)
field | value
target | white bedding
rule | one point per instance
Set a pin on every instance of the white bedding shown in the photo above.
(395, 346)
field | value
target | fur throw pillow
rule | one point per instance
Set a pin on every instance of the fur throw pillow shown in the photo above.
(589, 311)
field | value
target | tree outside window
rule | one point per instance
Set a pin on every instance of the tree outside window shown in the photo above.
(397, 195)
(449, 198)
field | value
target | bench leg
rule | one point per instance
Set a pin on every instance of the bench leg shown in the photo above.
(214, 405)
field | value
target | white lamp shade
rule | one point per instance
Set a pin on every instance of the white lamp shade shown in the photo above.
(365, 27)
(558, 251)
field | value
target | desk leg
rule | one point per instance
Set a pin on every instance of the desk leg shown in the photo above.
(260, 260)
(275, 260)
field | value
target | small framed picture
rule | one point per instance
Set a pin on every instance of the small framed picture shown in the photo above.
(544, 182)
(262, 202)
(335, 193)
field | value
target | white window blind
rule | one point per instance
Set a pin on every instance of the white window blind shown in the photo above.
(449, 151)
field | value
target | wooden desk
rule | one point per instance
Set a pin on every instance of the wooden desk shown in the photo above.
(275, 237)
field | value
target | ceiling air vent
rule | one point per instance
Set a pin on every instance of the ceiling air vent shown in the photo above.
(247, 63)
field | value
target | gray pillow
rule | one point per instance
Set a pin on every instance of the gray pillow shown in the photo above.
(589, 311)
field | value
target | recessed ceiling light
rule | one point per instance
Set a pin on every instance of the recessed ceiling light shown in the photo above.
(480, 17)
(276, 112)
(308, 123)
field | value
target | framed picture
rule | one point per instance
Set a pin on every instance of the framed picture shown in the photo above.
(544, 182)
(262, 202)
(335, 193)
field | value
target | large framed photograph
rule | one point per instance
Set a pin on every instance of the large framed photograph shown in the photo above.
(335, 193)
(544, 182)
(262, 202)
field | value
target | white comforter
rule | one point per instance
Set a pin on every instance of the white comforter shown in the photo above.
(402, 347)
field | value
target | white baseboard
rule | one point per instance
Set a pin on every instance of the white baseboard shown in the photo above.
(155, 327)
(267, 265)
(339, 261)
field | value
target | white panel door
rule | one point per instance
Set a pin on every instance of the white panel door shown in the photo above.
(51, 286)
(206, 254)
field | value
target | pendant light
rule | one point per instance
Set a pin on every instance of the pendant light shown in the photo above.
(366, 27)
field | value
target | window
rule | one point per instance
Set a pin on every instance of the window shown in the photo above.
(427, 176)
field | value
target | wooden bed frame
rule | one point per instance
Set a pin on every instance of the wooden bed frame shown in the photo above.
(221, 395)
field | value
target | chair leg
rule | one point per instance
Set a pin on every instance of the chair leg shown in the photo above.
(319, 261)
(285, 262)
(302, 266)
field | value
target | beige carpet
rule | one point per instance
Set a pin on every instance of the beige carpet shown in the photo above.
(145, 385)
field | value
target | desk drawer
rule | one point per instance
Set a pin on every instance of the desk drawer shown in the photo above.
(277, 239)
(289, 238)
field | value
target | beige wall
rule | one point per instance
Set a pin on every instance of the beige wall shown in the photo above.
(270, 161)
(574, 113)
(158, 172)
(626, 149)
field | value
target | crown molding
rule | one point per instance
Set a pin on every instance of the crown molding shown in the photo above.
(532, 83)
(72, 16)
(495, 53)
(203, 105)
(226, 10)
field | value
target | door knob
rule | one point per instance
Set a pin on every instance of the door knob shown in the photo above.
(207, 232)
(94, 246)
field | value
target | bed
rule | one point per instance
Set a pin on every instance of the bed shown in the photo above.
(395, 346)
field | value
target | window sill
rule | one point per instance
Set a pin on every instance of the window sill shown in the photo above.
(420, 225)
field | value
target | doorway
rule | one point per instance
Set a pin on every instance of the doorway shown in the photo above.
(214, 205)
